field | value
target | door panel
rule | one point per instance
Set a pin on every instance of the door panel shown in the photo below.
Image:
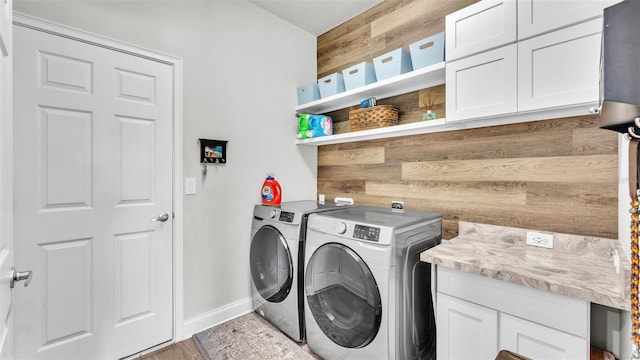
(271, 264)
(67, 273)
(93, 167)
(66, 153)
(134, 266)
(136, 87)
(135, 160)
(343, 296)
(65, 73)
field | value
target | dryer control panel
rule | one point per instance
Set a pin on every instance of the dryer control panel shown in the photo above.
(359, 231)
(364, 232)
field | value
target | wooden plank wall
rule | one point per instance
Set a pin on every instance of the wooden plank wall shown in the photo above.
(385, 27)
(556, 175)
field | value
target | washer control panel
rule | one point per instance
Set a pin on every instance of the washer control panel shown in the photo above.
(286, 216)
(365, 232)
(276, 214)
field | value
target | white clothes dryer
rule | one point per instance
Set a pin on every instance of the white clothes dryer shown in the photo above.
(277, 260)
(367, 294)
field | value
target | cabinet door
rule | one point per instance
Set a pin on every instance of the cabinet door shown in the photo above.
(481, 26)
(560, 68)
(465, 330)
(539, 16)
(482, 85)
(540, 342)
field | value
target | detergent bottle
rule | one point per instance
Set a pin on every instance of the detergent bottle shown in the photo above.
(271, 191)
(320, 125)
(303, 126)
(312, 126)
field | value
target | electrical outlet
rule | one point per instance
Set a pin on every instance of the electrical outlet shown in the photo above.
(540, 239)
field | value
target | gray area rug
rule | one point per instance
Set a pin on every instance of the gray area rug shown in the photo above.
(248, 337)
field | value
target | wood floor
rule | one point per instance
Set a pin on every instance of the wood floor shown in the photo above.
(183, 350)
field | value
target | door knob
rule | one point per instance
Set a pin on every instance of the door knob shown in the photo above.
(19, 276)
(162, 217)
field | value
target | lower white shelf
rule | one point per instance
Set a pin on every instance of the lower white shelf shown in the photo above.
(441, 125)
(379, 133)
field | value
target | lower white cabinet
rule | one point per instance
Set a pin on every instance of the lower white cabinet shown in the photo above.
(536, 341)
(478, 316)
(465, 330)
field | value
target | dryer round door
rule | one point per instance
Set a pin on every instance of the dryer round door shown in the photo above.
(271, 264)
(343, 296)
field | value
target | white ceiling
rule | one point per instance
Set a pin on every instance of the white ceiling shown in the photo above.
(316, 16)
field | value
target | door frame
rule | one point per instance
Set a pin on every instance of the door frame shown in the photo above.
(20, 19)
(6, 178)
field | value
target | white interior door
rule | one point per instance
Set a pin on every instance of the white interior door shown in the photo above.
(93, 170)
(6, 194)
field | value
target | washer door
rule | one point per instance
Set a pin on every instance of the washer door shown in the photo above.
(271, 264)
(343, 296)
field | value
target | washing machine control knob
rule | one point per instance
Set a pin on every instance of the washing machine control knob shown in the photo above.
(342, 228)
(272, 213)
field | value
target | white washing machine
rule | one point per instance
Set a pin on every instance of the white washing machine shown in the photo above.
(367, 294)
(277, 259)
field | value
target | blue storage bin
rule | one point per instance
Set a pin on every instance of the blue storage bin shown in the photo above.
(358, 75)
(331, 85)
(392, 64)
(427, 51)
(308, 93)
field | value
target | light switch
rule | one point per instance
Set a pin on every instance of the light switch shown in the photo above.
(190, 186)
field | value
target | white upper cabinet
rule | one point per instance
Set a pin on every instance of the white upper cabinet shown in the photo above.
(553, 65)
(482, 85)
(481, 26)
(536, 17)
(559, 68)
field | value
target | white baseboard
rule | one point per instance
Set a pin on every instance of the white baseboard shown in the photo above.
(216, 316)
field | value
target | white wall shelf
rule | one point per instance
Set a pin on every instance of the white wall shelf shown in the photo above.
(378, 133)
(441, 125)
(422, 78)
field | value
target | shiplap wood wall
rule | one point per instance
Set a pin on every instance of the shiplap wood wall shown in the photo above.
(556, 175)
(385, 27)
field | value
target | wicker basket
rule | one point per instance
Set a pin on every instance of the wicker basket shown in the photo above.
(373, 117)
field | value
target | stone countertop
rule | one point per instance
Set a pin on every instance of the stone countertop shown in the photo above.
(578, 266)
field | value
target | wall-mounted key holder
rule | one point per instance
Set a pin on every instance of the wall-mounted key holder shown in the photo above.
(212, 152)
